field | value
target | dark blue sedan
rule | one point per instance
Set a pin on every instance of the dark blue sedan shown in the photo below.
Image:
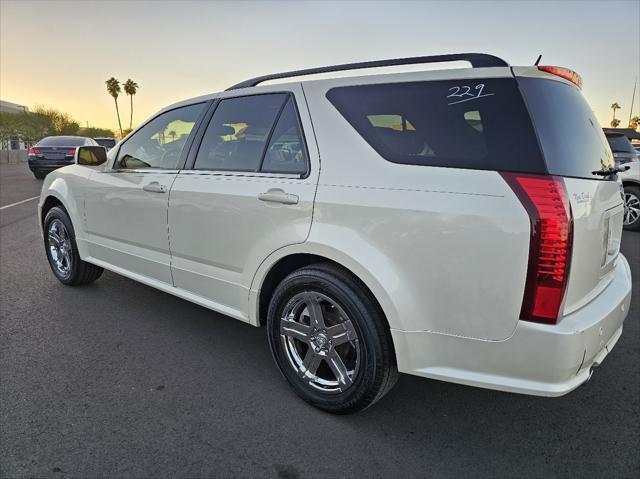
(54, 152)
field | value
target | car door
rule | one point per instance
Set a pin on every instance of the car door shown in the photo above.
(126, 204)
(249, 192)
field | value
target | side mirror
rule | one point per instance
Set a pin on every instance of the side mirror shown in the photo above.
(91, 155)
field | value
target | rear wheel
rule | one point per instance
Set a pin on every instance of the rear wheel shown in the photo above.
(39, 174)
(330, 339)
(632, 208)
(62, 250)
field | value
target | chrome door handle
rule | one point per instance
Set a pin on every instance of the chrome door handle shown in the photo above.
(155, 187)
(276, 195)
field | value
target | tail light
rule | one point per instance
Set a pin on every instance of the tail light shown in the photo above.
(565, 73)
(71, 151)
(545, 199)
(34, 151)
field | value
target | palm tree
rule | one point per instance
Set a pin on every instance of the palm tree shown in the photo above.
(113, 87)
(130, 88)
(614, 123)
(635, 121)
(615, 106)
(173, 135)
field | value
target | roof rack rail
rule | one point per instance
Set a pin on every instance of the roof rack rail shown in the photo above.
(477, 60)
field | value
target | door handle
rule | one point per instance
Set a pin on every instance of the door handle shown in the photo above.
(276, 195)
(155, 187)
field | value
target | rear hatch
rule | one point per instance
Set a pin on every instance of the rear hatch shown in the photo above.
(574, 146)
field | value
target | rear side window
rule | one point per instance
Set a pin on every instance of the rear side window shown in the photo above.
(255, 133)
(572, 141)
(473, 123)
(237, 134)
(286, 152)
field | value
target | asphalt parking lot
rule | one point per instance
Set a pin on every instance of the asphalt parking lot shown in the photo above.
(116, 379)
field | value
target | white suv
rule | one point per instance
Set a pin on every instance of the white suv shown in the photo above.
(459, 224)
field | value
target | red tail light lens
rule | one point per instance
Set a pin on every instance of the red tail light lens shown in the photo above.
(71, 151)
(545, 199)
(34, 151)
(565, 73)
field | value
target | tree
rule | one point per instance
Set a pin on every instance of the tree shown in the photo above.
(94, 132)
(113, 87)
(130, 88)
(615, 106)
(614, 123)
(173, 135)
(58, 122)
(635, 121)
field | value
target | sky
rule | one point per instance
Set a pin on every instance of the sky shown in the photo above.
(59, 53)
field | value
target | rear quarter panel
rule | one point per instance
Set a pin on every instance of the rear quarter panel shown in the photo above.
(449, 247)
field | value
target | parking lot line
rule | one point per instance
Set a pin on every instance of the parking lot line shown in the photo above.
(19, 202)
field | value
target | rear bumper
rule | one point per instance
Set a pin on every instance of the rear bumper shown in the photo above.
(47, 165)
(538, 359)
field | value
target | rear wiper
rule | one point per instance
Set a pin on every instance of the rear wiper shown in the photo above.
(612, 170)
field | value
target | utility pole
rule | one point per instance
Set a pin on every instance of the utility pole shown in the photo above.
(633, 98)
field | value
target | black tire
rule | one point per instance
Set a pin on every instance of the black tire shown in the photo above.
(375, 372)
(39, 174)
(74, 271)
(632, 193)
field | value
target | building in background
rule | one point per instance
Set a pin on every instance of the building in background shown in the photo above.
(9, 107)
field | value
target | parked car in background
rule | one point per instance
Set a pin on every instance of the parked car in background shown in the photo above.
(105, 141)
(422, 245)
(54, 152)
(625, 154)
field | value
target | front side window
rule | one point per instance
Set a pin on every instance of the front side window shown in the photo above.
(160, 142)
(258, 133)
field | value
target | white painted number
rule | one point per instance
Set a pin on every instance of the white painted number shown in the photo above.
(466, 93)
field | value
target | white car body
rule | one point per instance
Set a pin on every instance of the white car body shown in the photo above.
(443, 250)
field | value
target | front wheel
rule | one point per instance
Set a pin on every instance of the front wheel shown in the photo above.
(632, 208)
(62, 250)
(330, 339)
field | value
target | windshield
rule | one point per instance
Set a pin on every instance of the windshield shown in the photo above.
(62, 141)
(619, 144)
(106, 142)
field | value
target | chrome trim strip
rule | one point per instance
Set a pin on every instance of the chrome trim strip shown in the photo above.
(240, 173)
(144, 170)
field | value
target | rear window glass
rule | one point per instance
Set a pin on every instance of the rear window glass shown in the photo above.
(620, 144)
(62, 141)
(572, 141)
(473, 123)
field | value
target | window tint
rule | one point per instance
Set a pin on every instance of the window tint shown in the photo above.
(237, 134)
(286, 152)
(62, 141)
(572, 140)
(619, 144)
(106, 142)
(479, 123)
(159, 143)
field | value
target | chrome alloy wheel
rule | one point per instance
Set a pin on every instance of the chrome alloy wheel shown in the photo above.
(60, 247)
(320, 342)
(631, 208)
